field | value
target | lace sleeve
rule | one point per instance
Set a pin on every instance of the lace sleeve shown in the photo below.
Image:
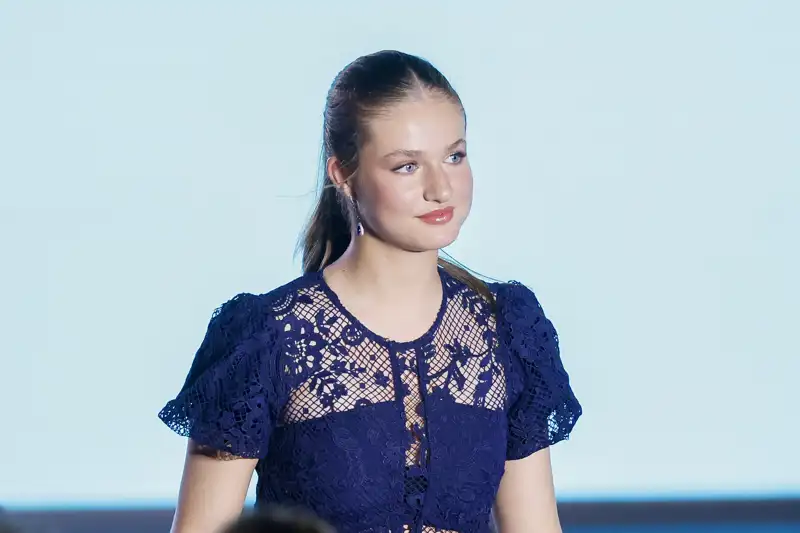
(226, 403)
(544, 409)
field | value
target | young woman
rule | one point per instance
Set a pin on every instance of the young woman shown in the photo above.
(386, 389)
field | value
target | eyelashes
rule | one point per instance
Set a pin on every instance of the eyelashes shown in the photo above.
(460, 154)
(404, 168)
(408, 168)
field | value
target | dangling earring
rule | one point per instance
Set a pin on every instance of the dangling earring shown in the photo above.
(359, 225)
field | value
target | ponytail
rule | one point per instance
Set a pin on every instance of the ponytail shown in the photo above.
(465, 276)
(328, 232)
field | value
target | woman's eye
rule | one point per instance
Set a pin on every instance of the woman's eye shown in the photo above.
(408, 168)
(457, 157)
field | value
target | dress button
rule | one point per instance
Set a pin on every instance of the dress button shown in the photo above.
(414, 500)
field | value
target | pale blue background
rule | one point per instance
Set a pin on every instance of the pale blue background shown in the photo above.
(636, 164)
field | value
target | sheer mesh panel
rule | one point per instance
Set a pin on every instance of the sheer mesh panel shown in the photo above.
(464, 360)
(339, 368)
(416, 454)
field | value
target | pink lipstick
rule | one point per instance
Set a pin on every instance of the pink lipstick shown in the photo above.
(439, 216)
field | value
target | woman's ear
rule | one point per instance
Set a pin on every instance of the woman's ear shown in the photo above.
(339, 176)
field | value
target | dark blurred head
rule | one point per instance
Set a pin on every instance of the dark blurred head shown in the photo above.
(5, 523)
(279, 521)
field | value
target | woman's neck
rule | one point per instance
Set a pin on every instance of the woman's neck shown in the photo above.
(385, 272)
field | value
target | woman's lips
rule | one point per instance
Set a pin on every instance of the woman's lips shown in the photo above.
(440, 216)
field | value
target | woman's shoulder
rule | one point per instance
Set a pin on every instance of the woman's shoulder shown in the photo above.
(519, 313)
(504, 297)
(514, 295)
(245, 324)
(249, 314)
(233, 382)
(248, 304)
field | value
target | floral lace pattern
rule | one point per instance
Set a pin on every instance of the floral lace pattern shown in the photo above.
(373, 435)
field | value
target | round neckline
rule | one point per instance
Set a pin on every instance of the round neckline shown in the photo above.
(424, 338)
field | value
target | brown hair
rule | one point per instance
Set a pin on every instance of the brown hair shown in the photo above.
(361, 90)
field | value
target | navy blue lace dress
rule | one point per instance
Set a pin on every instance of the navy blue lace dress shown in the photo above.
(374, 435)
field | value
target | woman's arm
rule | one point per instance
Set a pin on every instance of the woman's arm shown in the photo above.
(526, 501)
(213, 490)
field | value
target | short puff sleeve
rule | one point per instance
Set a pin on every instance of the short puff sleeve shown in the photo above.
(544, 409)
(228, 400)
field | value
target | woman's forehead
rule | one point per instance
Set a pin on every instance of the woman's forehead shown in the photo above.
(416, 125)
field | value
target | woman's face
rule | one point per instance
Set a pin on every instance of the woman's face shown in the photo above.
(414, 183)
